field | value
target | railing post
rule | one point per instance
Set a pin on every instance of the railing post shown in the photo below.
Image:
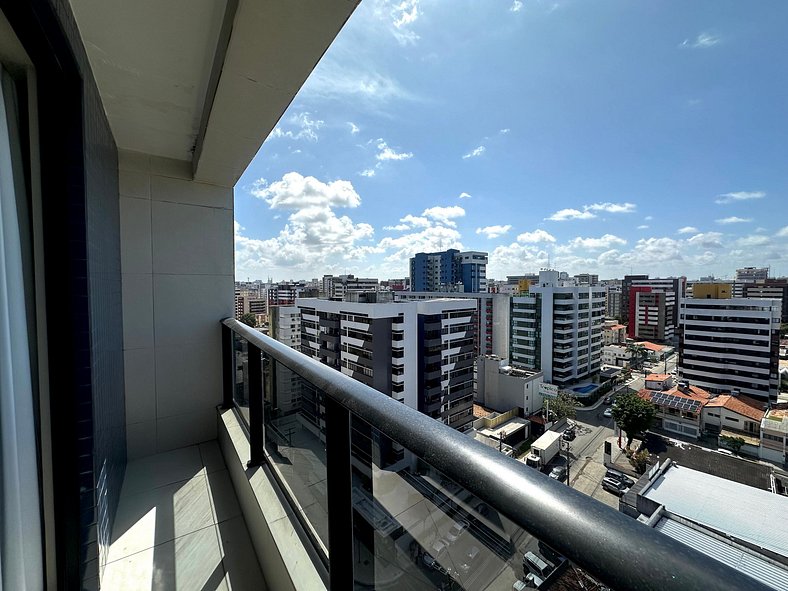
(228, 368)
(256, 441)
(338, 496)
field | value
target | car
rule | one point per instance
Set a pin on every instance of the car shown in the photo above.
(614, 486)
(456, 531)
(608, 400)
(608, 413)
(569, 435)
(620, 476)
(558, 473)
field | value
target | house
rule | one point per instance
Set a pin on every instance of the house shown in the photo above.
(774, 431)
(679, 409)
(734, 415)
(614, 334)
(659, 381)
(655, 352)
(616, 355)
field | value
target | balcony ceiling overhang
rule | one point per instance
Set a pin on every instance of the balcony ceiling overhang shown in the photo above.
(203, 80)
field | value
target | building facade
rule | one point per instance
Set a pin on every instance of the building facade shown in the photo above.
(420, 353)
(449, 270)
(502, 387)
(492, 319)
(674, 285)
(557, 329)
(651, 314)
(286, 325)
(731, 344)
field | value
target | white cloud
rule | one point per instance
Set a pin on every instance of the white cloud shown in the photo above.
(515, 258)
(607, 241)
(494, 231)
(398, 227)
(643, 227)
(297, 192)
(444, 215)
(702, 41)
(348, 78)
(688, 230)
(611, 207)
(706, 240)
(648, 218)
(535, 237)
(733, 220)
(516, 6)
(474, 153)
(306, 128)
(368, 172)
(314, 236)
(739, 196)
(465, 195)
(354, 129)
(783, 232)
(754, 240)
(504, 131)
(432, 239)
(387, 153)
(571, 214)
(588, 211)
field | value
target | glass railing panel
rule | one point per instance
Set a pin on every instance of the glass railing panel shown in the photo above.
(295, 443)
(240, 356)
(414, 528)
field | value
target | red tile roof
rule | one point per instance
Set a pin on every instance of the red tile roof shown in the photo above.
(657, 377)
(743, 405)
(616, 326)
(651, 346)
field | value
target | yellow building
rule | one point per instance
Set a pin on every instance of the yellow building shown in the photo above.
(711, 291)
(523, 285)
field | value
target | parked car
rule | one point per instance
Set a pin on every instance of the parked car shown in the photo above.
(608, 413)
(569, 435)
(614, 486)
(558, 473)
(456, 531)
(620, 476)
(609, 399)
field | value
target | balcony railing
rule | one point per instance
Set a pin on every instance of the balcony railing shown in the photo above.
(391, 498)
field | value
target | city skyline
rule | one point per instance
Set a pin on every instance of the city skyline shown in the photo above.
(611, 138)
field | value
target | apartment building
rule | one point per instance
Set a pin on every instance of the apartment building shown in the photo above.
(557, 329)
(642, 283)
(651, 314)
(613, 333)
(286, 325)
(419, 353)
(616, 355)
(492, 318)
(710, 290)
(776, 289)
(747, 274)
(586, 279)
(731, 344)
(613, 301)
(502, 387)
(335, 287)
(449, 270)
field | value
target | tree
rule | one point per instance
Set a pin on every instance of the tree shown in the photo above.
(639, 355)
(734, 443)
(249, 319)
(639, 460)
(633, 414)
(563, 406)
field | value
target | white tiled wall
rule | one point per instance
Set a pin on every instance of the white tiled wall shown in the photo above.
(177, 269)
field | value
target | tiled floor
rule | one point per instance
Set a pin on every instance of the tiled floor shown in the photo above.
(179, 527)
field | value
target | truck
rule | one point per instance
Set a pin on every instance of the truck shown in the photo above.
(544, 449)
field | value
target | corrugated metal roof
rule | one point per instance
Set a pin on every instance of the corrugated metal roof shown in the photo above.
(750, 564)
(748, 513)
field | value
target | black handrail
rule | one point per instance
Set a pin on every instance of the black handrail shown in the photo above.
(617, 549)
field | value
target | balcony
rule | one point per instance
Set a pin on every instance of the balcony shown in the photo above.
(403, 479)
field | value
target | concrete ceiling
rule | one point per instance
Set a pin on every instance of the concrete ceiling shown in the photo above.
(177, 83)
(152, 60)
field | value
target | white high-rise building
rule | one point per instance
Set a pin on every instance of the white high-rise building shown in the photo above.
(286, 325)
(731, 344)
(557, 328)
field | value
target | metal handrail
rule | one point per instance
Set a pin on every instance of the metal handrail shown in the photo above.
(617, 549)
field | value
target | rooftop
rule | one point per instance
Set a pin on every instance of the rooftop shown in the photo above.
(657, 377)
(743, 405)
(708, 500)
(776, 420)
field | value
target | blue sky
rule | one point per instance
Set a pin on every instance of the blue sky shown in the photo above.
(610, 136)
